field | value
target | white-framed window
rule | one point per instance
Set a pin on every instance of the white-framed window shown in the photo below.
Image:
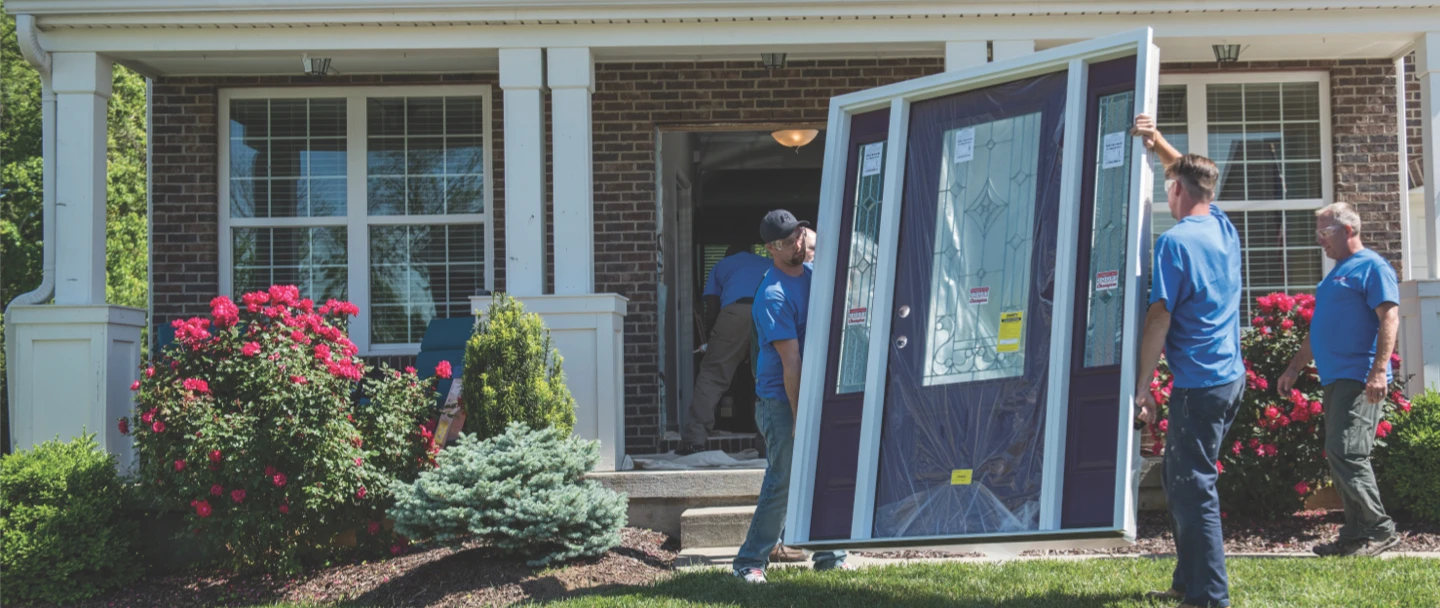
(378, 195)
(1269, 134)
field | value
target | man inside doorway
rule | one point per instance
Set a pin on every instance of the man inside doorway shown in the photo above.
(729, 292)
(781, 306)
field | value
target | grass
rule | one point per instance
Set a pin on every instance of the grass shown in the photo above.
(1254, 582)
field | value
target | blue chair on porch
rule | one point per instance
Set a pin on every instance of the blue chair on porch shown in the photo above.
(444, 340)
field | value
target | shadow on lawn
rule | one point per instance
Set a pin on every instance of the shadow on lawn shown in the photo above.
(820, 590)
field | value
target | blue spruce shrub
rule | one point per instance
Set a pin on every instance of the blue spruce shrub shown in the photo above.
(522, 491)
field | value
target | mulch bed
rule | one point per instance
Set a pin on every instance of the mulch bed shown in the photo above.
(1292, 535)
(469, 574)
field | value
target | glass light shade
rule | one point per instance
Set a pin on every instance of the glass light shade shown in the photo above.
(794, 138)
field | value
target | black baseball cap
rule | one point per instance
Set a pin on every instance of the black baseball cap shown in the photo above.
(779, 224)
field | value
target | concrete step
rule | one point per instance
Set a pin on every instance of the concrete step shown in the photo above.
(658, 499)
(714, 526)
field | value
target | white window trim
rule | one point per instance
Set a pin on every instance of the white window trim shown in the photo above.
(1198, 124)
(356, 220)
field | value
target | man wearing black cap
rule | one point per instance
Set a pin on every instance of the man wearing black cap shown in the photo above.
(781, 304)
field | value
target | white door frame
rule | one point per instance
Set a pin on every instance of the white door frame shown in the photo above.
(1075, 59)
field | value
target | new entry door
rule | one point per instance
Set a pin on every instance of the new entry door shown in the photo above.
(985, 249)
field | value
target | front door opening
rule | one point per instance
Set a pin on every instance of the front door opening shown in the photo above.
(714, 187)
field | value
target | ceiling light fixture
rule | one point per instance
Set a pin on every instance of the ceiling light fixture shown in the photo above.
(794, 138)
(315, 66)
(1226, 53)
(773, 61)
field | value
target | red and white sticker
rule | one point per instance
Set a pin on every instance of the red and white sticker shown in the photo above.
(1108, 280)
(856, 316)
(979, 295)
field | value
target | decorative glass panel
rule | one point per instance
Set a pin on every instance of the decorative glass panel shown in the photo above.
(312, 259)
(287, 157)
(860, 279)
(420, 272)
(1265, 138)
(425, 155)
(985, 225)
(1171, 118)
(1104, 330)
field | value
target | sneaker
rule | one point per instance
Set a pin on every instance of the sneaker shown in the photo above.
(1330, 549)
(1373, 547)
(751, 575)
(785, 554)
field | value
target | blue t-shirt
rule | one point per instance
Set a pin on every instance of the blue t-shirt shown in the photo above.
(736, 276)
(1197, 274)
(1345, 304)
(781, 305)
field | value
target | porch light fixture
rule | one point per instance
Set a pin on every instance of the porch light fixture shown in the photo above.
(773, 61)
(1226, 53)
(315, 66)
(794, 138)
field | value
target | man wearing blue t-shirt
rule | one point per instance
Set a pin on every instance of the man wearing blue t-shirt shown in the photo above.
(781, 305)
(729, 292)
(1351, 336)
(1194, 318)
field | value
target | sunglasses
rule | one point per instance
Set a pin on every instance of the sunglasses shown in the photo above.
(1327, 231)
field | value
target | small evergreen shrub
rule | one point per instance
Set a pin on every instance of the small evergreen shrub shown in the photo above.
(262, 424)
(1409, 470)
(65, 535)
(522, 491)
(512, 374)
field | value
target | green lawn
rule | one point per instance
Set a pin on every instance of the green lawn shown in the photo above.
(1106, 582)
(1255, 582)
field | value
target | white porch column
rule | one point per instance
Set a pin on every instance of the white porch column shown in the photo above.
(1420, 300)
(1005, 49)
(571, 79)
(522, 78)
(82, 88)
(965, 54)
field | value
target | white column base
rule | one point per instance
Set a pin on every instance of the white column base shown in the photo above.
(589, 332)
(70, 372)
(1420, 334)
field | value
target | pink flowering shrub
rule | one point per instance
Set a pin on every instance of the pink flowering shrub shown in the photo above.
(261, 423)
(1274, 457)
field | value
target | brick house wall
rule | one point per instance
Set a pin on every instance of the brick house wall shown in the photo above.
(632, 101)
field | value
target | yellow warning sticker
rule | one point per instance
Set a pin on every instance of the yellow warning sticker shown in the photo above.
(1011, 324)
(960, 477)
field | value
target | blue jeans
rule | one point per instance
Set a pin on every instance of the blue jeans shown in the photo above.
(777, 425)
(1199, 420)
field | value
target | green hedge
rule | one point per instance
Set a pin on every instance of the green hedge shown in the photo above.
(513, 374)
(1409, 466)
(65, 534)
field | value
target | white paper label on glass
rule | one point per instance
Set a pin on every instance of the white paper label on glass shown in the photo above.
(1108, 280)
(856, 316)
(964, 145)
(1114, 150)
(979, 295)
(871, 155)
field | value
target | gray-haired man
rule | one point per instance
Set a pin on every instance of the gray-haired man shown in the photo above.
(1351, 336)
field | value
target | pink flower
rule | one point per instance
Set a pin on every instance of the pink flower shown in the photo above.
(285, 509)
(1395, 360)
(1287, 324)
(356, 441)
(359, 461)
(158, 426)
(1236, 449)
(124, 426)
(288, 295)
(1257, 321)
(1164, 425)
(1270, 449)
(373, 528)
(1284, 302)
(224, 311)
(1219, 468)
(1383, 429)
(148, 416)
(269, 471)
(135, 386)
(1316, 407)
(250, 349)
(216, 456)
(1266, 303)
(299, 380)
(1302, 488)
(216, 490)
(237, 495)
(278, 479)
(202, 508)
(409, 369)
(197, 385)
(442, 369)
(1262, 383)
(360, 493)
(149, 372)
(1254, 443)
(322, 352)
(1306, 314)
(179, 465)
(1272, 413)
